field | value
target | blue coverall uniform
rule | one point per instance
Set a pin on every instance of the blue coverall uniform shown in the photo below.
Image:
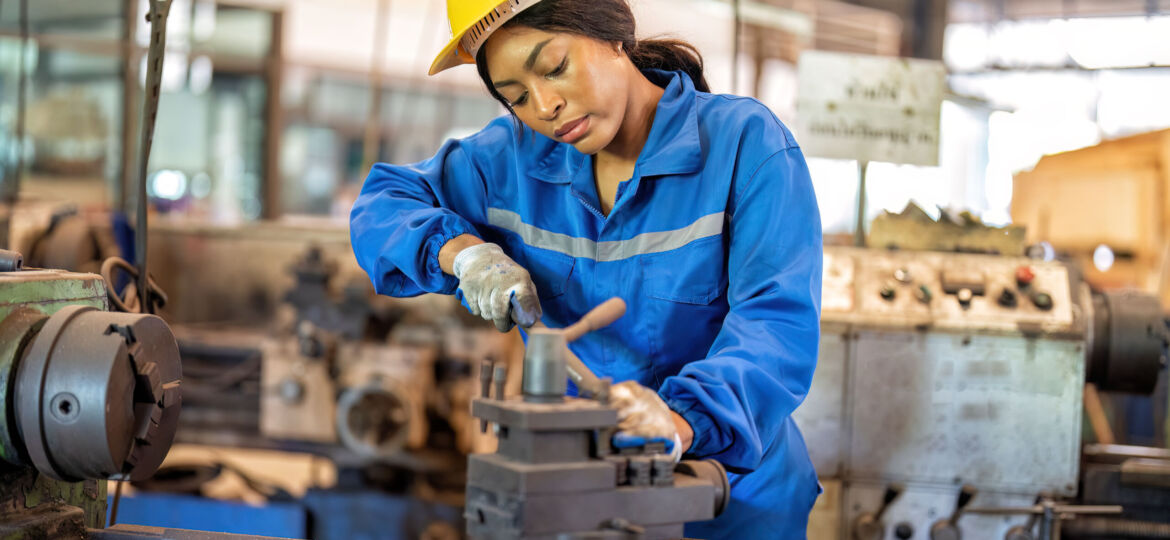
(714, 244)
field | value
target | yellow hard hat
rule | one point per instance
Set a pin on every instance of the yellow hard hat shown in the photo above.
(472, 21)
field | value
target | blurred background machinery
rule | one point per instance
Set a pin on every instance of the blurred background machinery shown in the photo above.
(949, 384)
(378, 389)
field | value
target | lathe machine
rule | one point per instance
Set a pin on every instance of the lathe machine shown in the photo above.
(950, 383)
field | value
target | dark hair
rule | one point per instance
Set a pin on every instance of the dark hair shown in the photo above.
(605, 20)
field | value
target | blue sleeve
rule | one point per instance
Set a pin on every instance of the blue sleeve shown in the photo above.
(761, 364)
(406, 213)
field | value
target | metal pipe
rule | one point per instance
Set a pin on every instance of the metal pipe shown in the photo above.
(154, 64)
(373, 136)
(21, 99)
(737, 35)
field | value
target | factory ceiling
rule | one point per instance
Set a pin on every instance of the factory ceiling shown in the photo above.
(967, 11)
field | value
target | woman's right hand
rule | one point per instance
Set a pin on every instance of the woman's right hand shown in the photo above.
(495, 287)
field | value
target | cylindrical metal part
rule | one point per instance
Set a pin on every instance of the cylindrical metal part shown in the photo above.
(1128, 342)
(1097, 528)
(1048, 520)
(545, 377)
(11, 261)
(16, 331)
(96, 394)
(485, 378)
(500, 377)
(712, 471)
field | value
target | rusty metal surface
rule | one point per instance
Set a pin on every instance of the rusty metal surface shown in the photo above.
(32, 503)
(50, 290)
(996, 412)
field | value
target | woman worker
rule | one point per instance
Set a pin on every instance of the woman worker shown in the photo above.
(624, 177)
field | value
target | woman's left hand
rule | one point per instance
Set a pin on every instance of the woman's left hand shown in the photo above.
(642, 414)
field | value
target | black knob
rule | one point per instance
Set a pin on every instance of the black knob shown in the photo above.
(1042, 300)
(893, 491)
(903, 531)
(1008, 298)
(889, 292)
(923, 294)
(965, 495)
(965, 296)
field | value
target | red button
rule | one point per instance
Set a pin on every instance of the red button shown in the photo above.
(1025, 275)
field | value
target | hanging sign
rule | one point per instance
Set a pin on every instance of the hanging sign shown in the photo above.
(870, 108)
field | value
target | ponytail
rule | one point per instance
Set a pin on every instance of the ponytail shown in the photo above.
(670, 55)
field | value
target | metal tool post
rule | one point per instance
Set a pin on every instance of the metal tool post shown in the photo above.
(555, 474)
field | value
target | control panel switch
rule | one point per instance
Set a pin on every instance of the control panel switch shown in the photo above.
(1008, 298)
(923, 294)
(1025, 275)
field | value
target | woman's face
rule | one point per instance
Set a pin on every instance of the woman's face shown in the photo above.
(570, 88)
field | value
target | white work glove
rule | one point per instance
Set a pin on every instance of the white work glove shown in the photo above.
(494, 287)
(643, 417)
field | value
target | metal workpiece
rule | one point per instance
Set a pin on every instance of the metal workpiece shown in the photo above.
(1128, 340)
(96, 395)
(545, 375)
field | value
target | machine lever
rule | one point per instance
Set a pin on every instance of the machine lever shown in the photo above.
(893, 491)
(869, 526)
(948, 529)
(599, 317)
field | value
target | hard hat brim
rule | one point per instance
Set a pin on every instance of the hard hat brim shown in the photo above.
(452, 55)
(472, 16)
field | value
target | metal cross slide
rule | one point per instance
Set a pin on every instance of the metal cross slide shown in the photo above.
(572, 414)
(497, 473)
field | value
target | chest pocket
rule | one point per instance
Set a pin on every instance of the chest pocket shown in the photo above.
(550, 270)
(693, 274)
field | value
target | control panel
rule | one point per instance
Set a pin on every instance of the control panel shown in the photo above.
(969, 292)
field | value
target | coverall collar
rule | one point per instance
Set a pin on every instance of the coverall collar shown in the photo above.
(673, 146)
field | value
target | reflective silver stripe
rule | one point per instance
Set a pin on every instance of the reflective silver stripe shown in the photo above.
(615, 250)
